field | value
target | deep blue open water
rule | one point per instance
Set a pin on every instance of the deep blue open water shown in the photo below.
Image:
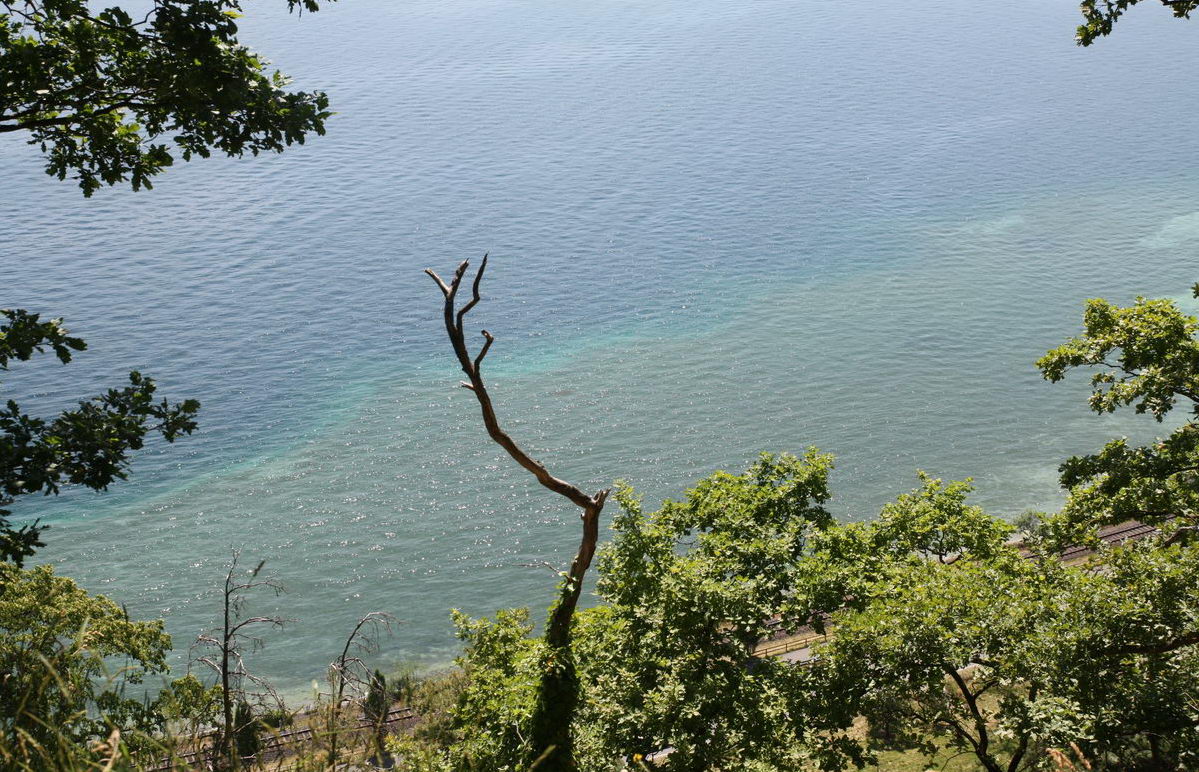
(716, 227)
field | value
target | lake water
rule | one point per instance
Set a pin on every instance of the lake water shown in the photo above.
(716, 228)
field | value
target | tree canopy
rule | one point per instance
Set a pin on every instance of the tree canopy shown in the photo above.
(690, 590)
(56, 643)
(87, 446)
(113, 97)
(1145, 356)
(1100, 16)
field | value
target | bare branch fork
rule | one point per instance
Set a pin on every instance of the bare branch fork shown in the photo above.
(558, 628)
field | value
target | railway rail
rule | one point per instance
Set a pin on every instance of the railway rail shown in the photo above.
(276, 746)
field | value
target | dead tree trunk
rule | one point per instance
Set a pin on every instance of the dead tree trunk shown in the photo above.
(550, 731)
(227, 662)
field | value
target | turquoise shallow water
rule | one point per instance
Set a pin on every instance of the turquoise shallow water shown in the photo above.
(717, 228)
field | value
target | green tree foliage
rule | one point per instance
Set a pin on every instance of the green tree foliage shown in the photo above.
(690, 591)
(1145, 356)
(375, 707)
(503, 668)
(942, 632)
(245, 731)
(112, 95)
(947, 629)
(436, 700)
(1005, 656)
(929, 593)
(907, 654)
(58, 645)
(667, 661)
(88, 446)
(187, 702)
(1124, 649)
(1100, 16)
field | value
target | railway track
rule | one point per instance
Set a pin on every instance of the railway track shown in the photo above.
(277, 745)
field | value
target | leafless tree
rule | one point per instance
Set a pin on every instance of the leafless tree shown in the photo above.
(350, 670)
(228, 645)
(551, 732)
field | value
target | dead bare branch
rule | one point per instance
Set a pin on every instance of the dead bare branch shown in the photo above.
(228, 643)
(541, 564)
(348, 669)
(591, 505)
(555, 737)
